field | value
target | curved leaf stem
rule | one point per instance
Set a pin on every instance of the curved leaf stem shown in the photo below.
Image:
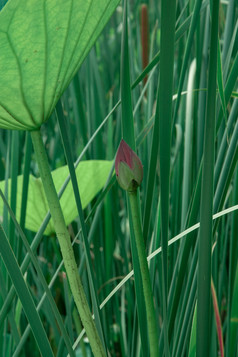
(65, 245)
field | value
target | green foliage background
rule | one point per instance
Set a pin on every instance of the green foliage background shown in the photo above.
(91, 112)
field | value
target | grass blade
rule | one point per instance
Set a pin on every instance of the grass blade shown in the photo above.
(24, 295)
(44, 284)
(192, 344)
(205, 234)
(168, 9)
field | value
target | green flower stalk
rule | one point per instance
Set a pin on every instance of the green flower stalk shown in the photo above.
(129, 173)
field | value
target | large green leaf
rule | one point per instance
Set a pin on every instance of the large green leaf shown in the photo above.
(43, 43)
(91, 176)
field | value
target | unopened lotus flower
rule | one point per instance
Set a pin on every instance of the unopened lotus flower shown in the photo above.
(128, 167)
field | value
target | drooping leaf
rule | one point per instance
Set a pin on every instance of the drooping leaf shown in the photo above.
(43, 43)
(91, 176)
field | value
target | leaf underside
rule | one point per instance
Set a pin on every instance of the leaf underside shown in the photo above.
(43, 43)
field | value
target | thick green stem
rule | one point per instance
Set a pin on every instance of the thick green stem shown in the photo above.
(147, 290)
(66, 247)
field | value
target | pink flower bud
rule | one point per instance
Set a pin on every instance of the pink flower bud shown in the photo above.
(128, 167)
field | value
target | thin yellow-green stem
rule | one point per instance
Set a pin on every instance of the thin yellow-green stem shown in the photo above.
(66, 247)
(146, 283)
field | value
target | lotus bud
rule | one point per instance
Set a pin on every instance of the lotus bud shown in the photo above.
(128, 167)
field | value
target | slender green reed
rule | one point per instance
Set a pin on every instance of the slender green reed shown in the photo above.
(168, 10)
(206, 210)
(24, 295)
